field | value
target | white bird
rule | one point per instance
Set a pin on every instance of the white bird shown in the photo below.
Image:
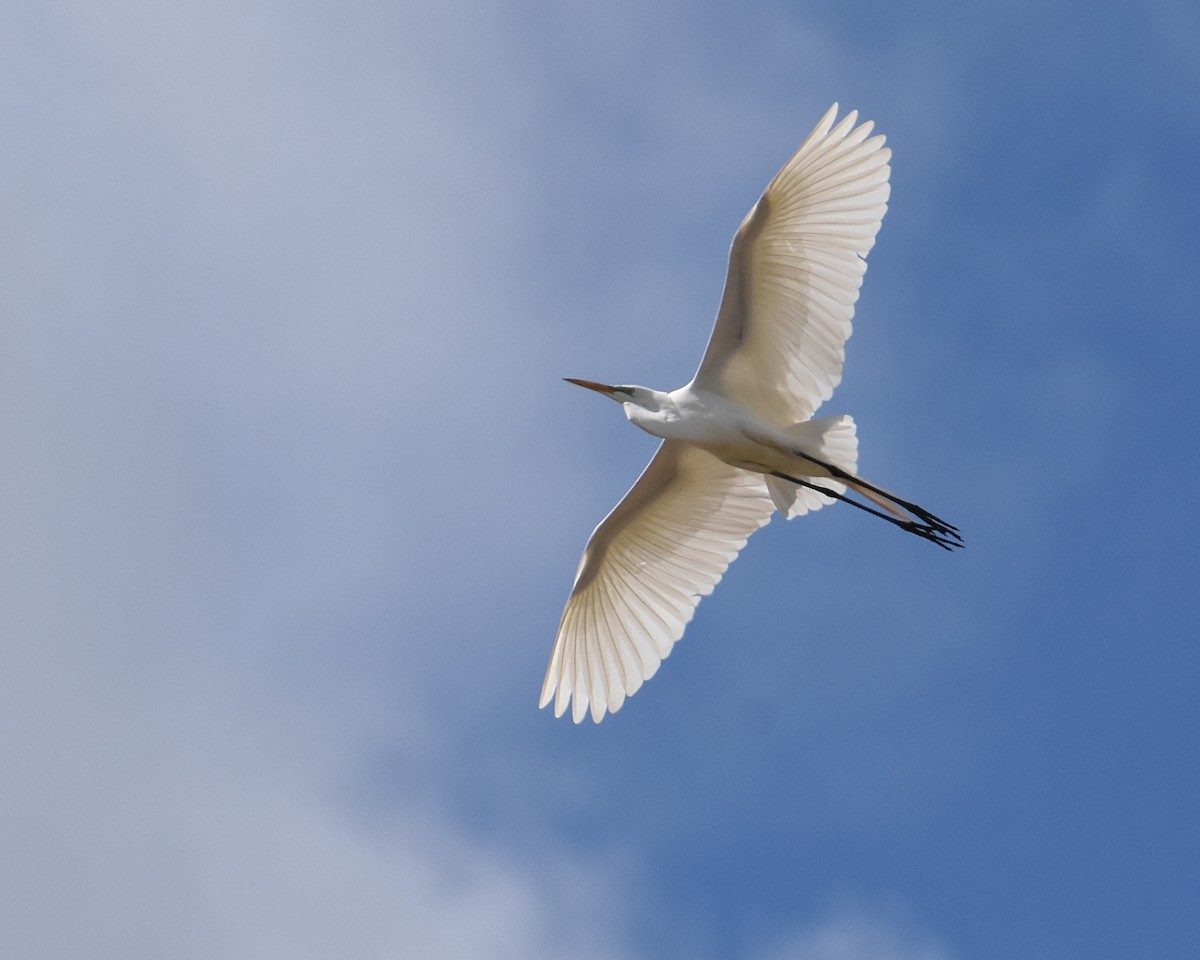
(738, 440)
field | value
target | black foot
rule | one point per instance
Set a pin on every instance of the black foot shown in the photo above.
(930, 520)
(944, 534)
(947, 539)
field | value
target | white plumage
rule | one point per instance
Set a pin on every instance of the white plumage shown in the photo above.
(738, 441)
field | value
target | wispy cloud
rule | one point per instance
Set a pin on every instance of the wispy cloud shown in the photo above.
(857, 934)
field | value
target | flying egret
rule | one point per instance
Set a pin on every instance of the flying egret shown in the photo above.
(738, 441)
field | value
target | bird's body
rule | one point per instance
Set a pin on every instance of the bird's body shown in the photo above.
(724, 428)
(739, 440)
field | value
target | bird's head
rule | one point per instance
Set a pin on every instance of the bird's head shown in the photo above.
(642, 397)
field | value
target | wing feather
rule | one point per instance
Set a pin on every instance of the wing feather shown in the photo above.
(795, 270)
(646, 566)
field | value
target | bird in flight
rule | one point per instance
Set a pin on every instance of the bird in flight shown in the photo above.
(739, 441)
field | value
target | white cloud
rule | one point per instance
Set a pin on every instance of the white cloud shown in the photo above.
(858, 934)
(187, 842)
(240, 273)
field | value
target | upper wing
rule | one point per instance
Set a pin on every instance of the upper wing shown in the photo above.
(665, 545)
(794, 271)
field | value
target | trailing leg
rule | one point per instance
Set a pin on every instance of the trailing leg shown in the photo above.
(877, 494)
(940, 533)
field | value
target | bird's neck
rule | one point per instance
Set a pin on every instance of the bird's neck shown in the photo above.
(656, 416)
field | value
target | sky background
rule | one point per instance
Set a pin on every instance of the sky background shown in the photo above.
(292, 492)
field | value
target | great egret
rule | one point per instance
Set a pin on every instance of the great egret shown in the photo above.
(738, 441)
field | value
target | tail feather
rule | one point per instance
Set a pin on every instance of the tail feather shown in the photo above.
(832, 439)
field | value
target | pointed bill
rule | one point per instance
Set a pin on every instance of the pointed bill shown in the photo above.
(603, 388)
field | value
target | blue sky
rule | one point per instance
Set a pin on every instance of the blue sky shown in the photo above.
(293, 494)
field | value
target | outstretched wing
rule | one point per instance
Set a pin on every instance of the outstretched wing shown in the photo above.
(795, 269)
(646, 566)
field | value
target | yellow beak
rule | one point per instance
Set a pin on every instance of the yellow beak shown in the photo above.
(603, 388)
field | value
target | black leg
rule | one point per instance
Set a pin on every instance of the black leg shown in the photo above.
(929, 519)
(942, 534)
